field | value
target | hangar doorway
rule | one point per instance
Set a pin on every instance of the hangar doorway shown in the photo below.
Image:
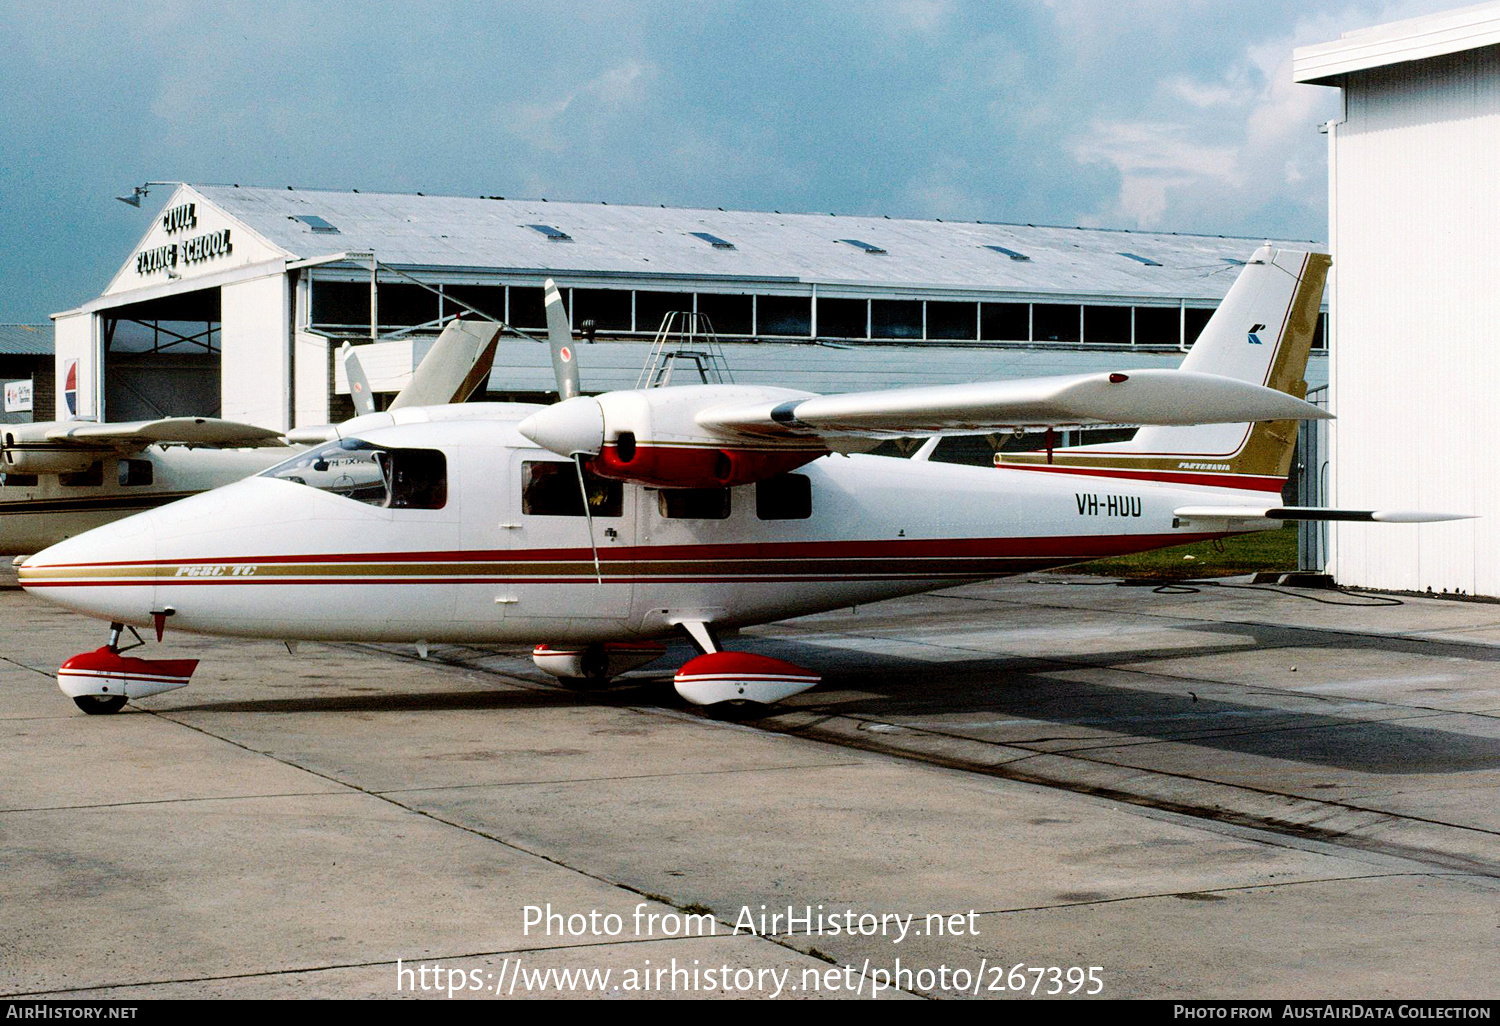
(162, 357)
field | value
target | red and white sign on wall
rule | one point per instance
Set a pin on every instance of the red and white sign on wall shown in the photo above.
(18, 396)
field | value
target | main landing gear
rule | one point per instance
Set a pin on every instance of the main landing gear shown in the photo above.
(711, 678)
(586, 667)
(739, 678)
(100, 682)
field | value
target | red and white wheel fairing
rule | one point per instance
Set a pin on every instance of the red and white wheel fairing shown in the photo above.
(741, 677)
(572, 661)
(107, 673)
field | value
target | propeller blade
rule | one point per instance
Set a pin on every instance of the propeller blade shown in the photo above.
(359, 383)
(564, 365)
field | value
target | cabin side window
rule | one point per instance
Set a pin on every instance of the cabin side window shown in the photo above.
(550, 488)
(90, 478)
(784, 497)
(9, 480)
(136, 473)
(693, 503)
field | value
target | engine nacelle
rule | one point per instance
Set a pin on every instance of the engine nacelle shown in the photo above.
(650, 436)
(27, 450)
(680, 466)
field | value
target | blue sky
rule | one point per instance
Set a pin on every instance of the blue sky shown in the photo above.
(1179, 115)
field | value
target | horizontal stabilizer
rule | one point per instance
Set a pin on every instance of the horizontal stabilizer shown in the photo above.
(1383, 516)
(209, 431)
(1156, 396)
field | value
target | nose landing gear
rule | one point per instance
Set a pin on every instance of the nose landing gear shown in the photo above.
(100, 682)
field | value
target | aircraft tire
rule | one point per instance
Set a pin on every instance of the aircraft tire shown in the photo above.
(735, 712)
(595, 671)
(100, 705)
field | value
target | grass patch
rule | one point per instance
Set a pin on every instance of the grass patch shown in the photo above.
(1259, 552)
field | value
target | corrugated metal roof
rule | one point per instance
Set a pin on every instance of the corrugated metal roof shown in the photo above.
(654, 242)
(26, 339)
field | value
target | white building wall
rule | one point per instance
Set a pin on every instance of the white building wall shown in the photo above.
(1415, 372)
(75, 338)
(256, 346)
(312, 379)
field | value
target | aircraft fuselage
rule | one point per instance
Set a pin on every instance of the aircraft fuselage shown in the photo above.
(494, 553)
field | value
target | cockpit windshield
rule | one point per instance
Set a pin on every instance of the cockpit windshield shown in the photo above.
(373, 474)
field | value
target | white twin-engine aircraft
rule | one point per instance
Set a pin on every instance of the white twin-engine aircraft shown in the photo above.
(601, 525)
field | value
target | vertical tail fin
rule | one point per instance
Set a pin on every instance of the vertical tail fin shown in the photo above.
(1262, 332)
(457, 364)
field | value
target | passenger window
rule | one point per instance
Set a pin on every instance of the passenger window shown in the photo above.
(90, 478)
(693, 503)
(17, 480)
(784, 497)
(134, 473)
(550, 489)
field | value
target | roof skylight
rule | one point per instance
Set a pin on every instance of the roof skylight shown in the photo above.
(713, 240)
(555, 234)
(1008, 252)
(316, 223)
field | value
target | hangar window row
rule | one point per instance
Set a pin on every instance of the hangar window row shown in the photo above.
(345, 306)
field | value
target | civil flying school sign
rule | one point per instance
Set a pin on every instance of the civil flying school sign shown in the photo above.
(183, 248)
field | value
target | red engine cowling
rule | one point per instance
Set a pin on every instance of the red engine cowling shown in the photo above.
(683, 466)
(652, 436)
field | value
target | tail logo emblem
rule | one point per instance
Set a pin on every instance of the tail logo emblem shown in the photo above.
(1254, 338)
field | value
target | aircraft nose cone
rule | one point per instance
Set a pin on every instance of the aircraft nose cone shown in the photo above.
(568, 428)
(104, 572)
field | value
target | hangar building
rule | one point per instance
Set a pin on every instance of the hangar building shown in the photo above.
(1414, 227)
(236, 299)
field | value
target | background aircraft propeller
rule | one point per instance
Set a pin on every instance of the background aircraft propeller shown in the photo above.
(560, 338)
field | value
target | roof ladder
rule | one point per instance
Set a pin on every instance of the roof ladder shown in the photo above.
(689, 337)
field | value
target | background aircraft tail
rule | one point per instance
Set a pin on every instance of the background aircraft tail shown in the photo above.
(1262, 332)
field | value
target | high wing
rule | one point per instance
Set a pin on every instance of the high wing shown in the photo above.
(66, 447)
(1156, 396)
(135, 435)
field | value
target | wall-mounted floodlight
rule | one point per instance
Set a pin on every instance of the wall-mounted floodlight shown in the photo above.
(140, 192)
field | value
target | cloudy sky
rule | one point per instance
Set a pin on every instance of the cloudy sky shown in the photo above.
(1177, 115)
